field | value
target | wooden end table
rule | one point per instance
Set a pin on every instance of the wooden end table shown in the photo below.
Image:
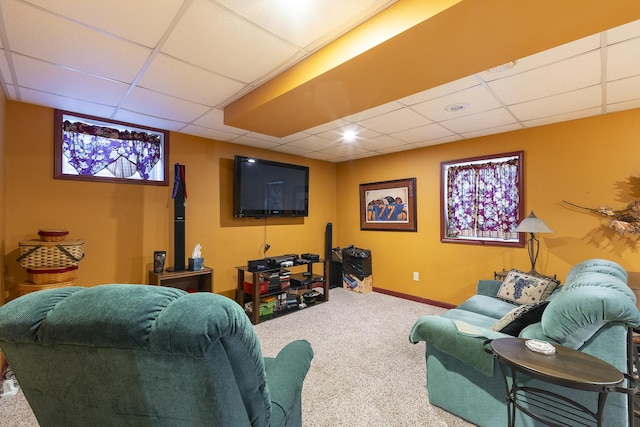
(567, 367)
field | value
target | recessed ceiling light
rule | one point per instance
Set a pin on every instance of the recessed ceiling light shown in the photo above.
(503, 67)
(349, 135)
(457, 107)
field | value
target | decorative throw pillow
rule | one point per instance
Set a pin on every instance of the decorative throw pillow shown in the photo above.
(522, 288)
(520, 317)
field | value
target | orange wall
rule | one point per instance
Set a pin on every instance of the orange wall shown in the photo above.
(3, 104)
(122, 224)
(589, 162)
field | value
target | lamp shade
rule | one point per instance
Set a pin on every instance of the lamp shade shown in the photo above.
(533, 224)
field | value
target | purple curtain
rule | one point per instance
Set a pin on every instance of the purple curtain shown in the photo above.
(483, 200)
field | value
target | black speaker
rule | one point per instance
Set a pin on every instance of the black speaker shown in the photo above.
(179, 219)
(334, 268)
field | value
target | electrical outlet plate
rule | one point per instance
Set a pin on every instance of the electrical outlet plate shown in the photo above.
(416, 276)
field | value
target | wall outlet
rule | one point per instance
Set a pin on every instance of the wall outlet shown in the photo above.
(416, 276)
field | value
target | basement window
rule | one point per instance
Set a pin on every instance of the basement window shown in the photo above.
(482, 200)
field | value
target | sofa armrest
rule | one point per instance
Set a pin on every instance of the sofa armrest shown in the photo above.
(463, 341)
(285, 375)
(488, 288)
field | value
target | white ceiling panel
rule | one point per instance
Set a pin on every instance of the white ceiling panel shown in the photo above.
(422, 133)
(550, 80)
(493, 130)
(314, 143)
(302, 21)
(480, 121)
(195, 84)
(378, 143)
(163, 106)
(623, 32)
(53, 39)
(65, 103)
(396, 121)
(202, 37)
(477, 99)
(623, 59)
(573, 115)
(564, 103)
(214, 119)
(623, 90)
(66, 82)
(440, 91)
(146, 120)
(141, 21)
(208, 133)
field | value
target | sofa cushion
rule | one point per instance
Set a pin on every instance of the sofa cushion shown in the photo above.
(522, 288)
(517, 319)
(487, 306)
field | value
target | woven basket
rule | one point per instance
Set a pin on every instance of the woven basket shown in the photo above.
(52, 235)
(52, 275)
(25, 287)
(39, 254)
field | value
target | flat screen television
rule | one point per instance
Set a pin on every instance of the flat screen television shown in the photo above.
(264, 188)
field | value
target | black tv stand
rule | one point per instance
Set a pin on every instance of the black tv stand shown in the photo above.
(298, 269)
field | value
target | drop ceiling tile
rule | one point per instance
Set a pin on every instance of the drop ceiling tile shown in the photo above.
(5, 71)
(623, 90)
(573, 115)
(303, 22)
(11, 93)
(218, 40)
(573, 73)
(122, 18)
(214, 119)
(559, 104)
(62, 81)
(378, 143)
(422, 133)
(359, 131)
(477, 98)
(146, 120)
(39, 34)
(621, 106)
(285, 148)
(396, 149)
(342, 150)
(623, 32)
(334, 124)
(205, 132)
(443, 90)
(484, 120)
(163, 106)
(193, 84)
(253, 142)
(373, 112)
(623, 59)
(493, 131)
(36, 97)
(438, 141)
(314, 143)
(395, 121)
(546, 57)
(325, 156)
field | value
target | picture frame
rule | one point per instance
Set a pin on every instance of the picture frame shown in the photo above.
(389, 205)
(89, 148)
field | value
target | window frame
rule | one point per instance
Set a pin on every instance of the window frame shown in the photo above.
(444, 201)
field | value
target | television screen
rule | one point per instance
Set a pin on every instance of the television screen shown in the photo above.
(263, 188)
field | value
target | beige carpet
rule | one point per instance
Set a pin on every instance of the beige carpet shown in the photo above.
(364, 373)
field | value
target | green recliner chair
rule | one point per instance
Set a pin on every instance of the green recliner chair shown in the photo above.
(139, 355)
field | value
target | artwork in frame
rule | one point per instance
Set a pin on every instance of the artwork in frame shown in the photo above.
(95, 149)
(389, 205)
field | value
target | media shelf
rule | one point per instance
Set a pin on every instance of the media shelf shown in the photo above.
(298, 280)
(187, 280)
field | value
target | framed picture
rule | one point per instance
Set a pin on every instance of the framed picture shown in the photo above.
(93, 149)
(389, 205)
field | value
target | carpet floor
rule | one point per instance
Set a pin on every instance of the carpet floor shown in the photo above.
(364, 372)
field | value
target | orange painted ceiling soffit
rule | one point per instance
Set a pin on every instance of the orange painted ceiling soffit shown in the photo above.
(411, 47)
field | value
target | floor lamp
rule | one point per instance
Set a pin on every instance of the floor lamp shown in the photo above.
(532, 225)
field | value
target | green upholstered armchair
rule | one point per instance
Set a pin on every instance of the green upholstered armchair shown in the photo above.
(139, 355)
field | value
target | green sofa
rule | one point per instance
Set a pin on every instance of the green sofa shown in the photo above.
(139, 355)
(592, 312)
